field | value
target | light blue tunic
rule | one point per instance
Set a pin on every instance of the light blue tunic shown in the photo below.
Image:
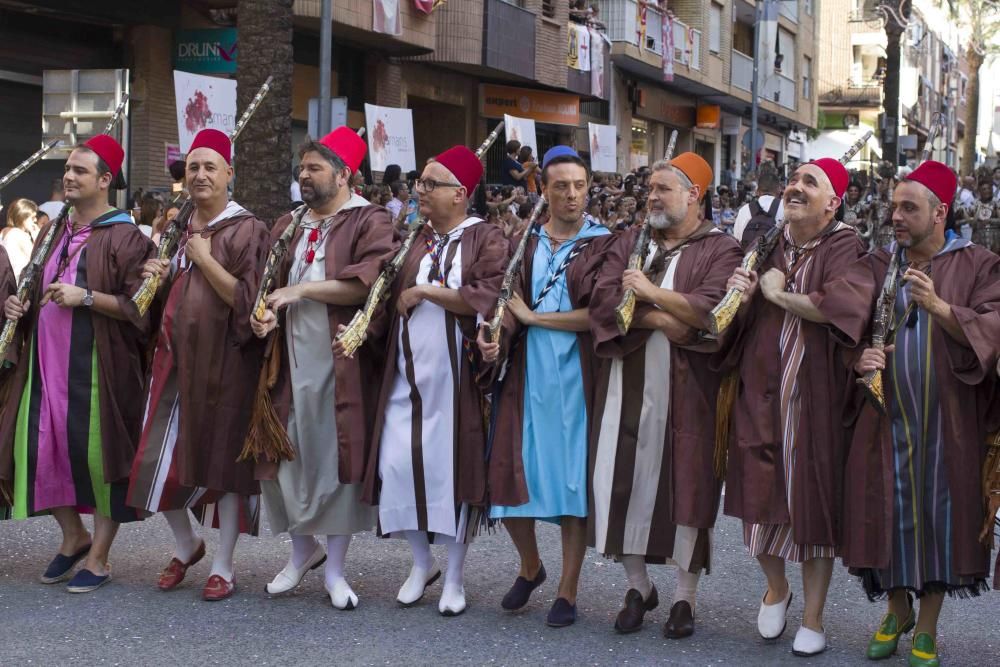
(554, 436)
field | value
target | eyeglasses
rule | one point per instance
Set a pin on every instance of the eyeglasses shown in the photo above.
(428, 185)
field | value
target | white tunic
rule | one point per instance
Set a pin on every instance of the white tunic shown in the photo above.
(417, 449)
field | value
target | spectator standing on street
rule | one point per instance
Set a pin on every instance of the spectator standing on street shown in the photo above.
(18, 237)
(767, 202)
(513, 172)
(54, 205)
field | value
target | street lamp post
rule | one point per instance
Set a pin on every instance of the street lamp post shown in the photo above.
(754, 96)
(325, 65)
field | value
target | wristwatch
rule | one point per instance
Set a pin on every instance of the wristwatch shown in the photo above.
(88, 298)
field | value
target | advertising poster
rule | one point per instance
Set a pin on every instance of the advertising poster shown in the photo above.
(390, 137)
(520, 129)
(203, 102)
(603, 147)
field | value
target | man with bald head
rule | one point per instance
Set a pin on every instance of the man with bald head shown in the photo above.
(72, 412)
(427, 470)
(656, 492)
(787, 444)
(914, 508)
(205, 369)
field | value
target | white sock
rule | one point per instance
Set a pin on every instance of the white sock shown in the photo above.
(455, 574)
(638, 577)
(336, 554)
(421, 548)
(687, 587)
(303, 546)
(186, 539)
(228, 508)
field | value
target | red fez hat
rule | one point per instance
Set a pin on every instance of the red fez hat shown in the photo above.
(347, 145)
(836, 172)
(462, 162)
(108, 150)
(216, 140)
(936, 177)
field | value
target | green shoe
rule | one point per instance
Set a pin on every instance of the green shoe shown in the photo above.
(924, 651)
(884, 642)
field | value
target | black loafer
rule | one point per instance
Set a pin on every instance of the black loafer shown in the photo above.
(520, 592)
(61, 566)
(681, 621)
(561, 614)
(86, 581)
(631, 616)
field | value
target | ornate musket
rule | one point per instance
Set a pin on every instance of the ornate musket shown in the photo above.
(513, 268)
(356, 331)
(724, 313)
(625, 311)
(170, 237)
(885, 307)
(28, 162)
(33, 271)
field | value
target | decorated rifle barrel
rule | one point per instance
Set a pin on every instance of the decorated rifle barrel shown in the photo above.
(625, 310)
(856, 147)
(494, 329)
(28, 162)
(143, 298)
(254, 103)
(30, 275)
(872, 382)
(937, 124)
(274, 258)
(356, 331)
(117, 115)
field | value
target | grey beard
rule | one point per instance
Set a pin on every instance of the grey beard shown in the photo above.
(659, 220)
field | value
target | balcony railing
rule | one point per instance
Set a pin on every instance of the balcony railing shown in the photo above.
(502, 21)
(624, 25)
(781, 89)
(742, 76)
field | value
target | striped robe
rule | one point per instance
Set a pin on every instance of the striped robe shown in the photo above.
(655, 492)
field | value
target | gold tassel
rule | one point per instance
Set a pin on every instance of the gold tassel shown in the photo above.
(991, 486)
(723, 413)
(267, 439)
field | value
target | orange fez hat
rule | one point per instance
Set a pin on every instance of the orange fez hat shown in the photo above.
(695, 168)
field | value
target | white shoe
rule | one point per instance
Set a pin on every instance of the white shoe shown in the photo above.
(452, 600)
(291, 576)
(342, 596)
(771, 617)
(419, 579)
(808, 642)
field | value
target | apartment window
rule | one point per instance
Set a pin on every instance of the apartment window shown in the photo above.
(807, 64)
(808, 4)
(549, 8)
(715, 29)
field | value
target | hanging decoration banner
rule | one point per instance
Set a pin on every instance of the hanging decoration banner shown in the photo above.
(668, 47)
(203, 102)
(385, 17)
(603, 147)
(390, 137)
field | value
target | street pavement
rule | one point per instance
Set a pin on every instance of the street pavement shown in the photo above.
(129, 622)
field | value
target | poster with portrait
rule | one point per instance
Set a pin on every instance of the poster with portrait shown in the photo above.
(603, 147)
(389, 132)
(521, 130)
(203, 102)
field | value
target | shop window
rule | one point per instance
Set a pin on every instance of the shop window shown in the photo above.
(639, 148)
(806, 77)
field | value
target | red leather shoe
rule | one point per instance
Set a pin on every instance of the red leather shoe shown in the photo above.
(173, 574)
(217, 588)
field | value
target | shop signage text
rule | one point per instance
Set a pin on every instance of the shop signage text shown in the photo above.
(538, 105)
(205, 51)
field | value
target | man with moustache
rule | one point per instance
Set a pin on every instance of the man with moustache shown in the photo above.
(655, 489)
(787, 443)
(538, 463)
(72, 413)
(427, 471)
(913, 501)
(327, 406)
(205, 368)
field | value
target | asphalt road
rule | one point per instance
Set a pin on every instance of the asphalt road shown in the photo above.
(129, 622)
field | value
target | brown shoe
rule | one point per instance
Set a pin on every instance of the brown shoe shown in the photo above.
(681, 621)
(173, 573)
(630, 617)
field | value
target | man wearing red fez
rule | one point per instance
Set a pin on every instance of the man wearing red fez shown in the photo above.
(427, 471)
(656, 490)
(787, 442)
(914, 521)
(72, 415)
(205, 368)
(545, 403)
(326, 406)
